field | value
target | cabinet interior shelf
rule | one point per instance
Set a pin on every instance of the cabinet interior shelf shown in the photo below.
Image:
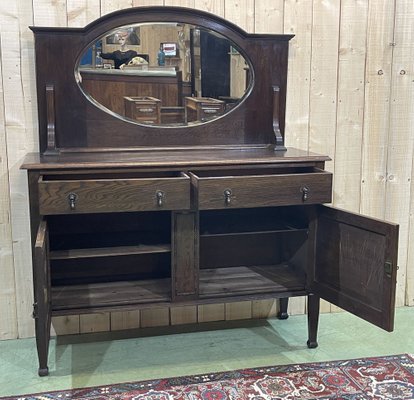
(109, 251)
(214, 283)
(223, 282)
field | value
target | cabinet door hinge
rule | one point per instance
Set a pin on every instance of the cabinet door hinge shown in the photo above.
(34, 313)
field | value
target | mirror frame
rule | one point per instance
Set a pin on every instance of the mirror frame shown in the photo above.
(69, 122)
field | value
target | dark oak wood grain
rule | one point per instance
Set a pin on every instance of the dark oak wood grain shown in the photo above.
(126, 216)
(106, 195)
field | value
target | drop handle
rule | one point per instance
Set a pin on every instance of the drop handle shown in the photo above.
(227, 197)
(72, 200)
(160, 195)
(305, 193)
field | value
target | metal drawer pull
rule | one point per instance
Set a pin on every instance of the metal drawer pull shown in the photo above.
(227, 197)
(72, 200)
(305, 193)
(210, 110)
(146, 110)
(160, 195)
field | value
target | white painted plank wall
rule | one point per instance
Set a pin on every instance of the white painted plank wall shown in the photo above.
(348, 97)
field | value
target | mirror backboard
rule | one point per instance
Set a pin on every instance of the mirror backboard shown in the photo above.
(171, 92)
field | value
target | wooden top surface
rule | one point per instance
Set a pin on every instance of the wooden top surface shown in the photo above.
(169, 158)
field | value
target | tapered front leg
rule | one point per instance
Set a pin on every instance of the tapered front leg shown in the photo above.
(313, 319)
(283, 306)
(42, 343)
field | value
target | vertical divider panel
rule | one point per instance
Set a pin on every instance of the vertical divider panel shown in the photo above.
(184, 255)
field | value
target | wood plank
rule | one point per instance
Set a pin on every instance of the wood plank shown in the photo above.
(268, 16)
(108, 251)
(264, 308)
(97, 322)
(241, 13)
(298, 21)
(110, 294)
(155, 317)
(19, 140)
(179, 3)
(108, 6)
(211, 6)
(247, 280)
(47, 13)
(323, 88)
(401, 139)
(144, 3)
(350, 107)
(377, 107)
(297, 306)
(183, 315)
(121, 320)
(211, 312)
(185, 255)
(65, 325)
(238, 310)
(8, 311)
(82, 12)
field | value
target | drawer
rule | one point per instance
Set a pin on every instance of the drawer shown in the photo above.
(146, 110)
(60, 196)
(209, 112)
(261, 187)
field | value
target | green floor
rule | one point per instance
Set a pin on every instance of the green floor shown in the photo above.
(98, 359)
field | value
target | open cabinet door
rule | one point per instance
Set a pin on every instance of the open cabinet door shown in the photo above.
(42, 301)
(356, 264)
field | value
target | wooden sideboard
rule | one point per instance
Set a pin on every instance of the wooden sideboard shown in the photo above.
(206, 213)
(203, 108)
(109, 87)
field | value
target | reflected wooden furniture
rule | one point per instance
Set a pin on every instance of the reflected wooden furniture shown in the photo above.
(126, 216)
(203, 108)
(144, 109)
(110, 88)
(173, 115)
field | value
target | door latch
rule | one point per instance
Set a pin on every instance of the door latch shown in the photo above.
(388, 268)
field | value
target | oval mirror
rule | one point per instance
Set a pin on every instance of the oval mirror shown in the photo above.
(164, 74)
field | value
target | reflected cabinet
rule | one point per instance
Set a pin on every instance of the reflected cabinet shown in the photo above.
(130, 213)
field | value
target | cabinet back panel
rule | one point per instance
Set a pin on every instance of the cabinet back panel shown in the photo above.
(264, 248)
(110, 269)
(252, 220)
(100, 230)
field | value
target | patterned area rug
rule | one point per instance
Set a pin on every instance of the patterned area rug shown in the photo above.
(390, 377)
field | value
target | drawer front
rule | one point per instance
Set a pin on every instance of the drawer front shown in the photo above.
(146, 110)
(263, 190)
(209, 112)
(113, 195)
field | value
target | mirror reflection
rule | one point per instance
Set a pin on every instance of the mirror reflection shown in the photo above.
(165, 74)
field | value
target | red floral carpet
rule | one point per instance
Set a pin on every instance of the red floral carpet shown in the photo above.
(390, 377)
